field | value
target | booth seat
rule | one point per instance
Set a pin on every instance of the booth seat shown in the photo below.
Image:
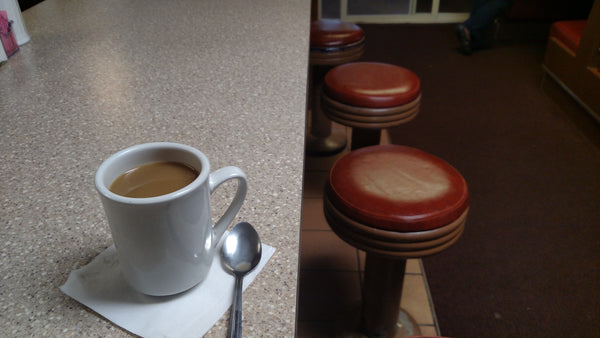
(568, 32)
(572, 59)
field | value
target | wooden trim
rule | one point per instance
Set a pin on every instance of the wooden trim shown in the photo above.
(587, 53)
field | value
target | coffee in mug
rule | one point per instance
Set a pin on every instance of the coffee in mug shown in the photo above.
(154, 179)
(165, 238)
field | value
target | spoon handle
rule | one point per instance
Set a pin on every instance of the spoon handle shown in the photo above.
(235, 322)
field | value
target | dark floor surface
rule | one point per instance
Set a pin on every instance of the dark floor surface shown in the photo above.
(528, 264)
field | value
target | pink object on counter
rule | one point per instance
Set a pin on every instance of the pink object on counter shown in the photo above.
(7, 35)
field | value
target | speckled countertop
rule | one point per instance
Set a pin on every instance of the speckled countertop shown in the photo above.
(225, 76)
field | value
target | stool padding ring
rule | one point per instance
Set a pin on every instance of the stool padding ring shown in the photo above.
(337, 55)
(391, 243)
(369, 118)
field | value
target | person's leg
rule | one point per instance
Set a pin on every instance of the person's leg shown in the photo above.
(462, 32)
(476, 5)
(482, 16)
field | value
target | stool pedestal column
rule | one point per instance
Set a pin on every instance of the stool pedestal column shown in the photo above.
(381, 315)
(322, 139)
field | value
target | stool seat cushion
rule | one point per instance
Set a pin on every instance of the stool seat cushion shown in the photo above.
(397, 188)
(334, 33)
(372, 84)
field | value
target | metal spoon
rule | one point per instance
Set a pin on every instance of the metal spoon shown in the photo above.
(241, 253)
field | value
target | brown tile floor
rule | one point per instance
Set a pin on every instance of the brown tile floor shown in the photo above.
(330, 269)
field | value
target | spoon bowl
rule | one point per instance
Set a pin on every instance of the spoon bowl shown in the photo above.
(241, 253)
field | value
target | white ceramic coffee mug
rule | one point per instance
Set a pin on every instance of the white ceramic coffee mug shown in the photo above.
(166, 243)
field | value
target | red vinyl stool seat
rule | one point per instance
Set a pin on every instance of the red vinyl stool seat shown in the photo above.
(369, 97)
(394, 202)
(332, 43)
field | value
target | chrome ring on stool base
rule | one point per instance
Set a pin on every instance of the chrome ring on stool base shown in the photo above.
(393, 202)
(332, 43)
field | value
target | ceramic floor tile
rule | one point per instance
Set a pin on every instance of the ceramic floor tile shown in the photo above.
(428, 330)
(326, 294)
(413, 265)
(336, 127)
(385, 137)
(311, 328)
(321, 163)
(415, 299)
(314, 183)
(313, 217)
(362, 258)
(323, 250)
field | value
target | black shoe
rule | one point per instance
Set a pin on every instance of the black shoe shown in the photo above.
(463, 39)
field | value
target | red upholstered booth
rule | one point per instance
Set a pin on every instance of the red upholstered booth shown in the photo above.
(568, 32)
(572, 59)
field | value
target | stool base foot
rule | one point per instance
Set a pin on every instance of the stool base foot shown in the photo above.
(325, 146)
(349, 326)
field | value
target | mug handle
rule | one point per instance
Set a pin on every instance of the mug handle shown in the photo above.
(215, 179)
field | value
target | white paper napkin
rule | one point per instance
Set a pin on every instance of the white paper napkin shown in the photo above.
(101, 287)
